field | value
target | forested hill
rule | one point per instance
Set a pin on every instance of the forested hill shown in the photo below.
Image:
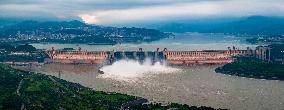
(249, 25)
(76, 32)
(254, 25)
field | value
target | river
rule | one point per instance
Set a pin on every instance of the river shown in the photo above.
(193, 85)
(180, 42)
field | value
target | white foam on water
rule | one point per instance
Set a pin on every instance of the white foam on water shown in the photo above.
(130, 70)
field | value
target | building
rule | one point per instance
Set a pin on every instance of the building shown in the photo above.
(263, 53)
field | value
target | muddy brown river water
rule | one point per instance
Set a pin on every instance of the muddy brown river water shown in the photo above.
(194, 85)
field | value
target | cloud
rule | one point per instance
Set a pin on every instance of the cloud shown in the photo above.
(61, 8)
(185, 10)
(125, 11)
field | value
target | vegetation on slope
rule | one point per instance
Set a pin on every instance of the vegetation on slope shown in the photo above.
(17, 48)
(22, 53)
(39, 91)
(277, 52)
(254, 68)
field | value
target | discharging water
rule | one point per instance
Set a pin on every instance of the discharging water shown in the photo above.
(130, 70)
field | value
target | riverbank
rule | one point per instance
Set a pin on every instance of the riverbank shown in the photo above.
(253, 68)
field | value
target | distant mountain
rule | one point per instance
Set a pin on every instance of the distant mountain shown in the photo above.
(7, 22)
(76, 32)
(48, 24)
(197, 25)
(26, 27)
(249, 25)
(254, 25)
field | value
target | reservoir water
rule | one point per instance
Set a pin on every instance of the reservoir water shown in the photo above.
(193, 85)
(180, 42)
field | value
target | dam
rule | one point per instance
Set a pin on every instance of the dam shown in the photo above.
(170, 57)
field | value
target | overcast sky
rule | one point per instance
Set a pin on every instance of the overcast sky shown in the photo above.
(125, 11)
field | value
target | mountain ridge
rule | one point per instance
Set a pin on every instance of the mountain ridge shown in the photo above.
(253, 25)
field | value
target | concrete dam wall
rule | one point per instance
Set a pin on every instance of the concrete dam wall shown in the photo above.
(171, 57)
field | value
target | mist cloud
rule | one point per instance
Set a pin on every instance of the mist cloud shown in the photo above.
(130, 70)
(185, 10)
(124, 11)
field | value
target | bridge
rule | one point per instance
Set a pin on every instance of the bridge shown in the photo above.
(171, 57)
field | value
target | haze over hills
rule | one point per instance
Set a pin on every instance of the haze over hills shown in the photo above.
(75, 32)
(79, 32)
(249, 25)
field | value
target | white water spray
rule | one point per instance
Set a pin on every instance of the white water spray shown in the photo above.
(130, 70)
